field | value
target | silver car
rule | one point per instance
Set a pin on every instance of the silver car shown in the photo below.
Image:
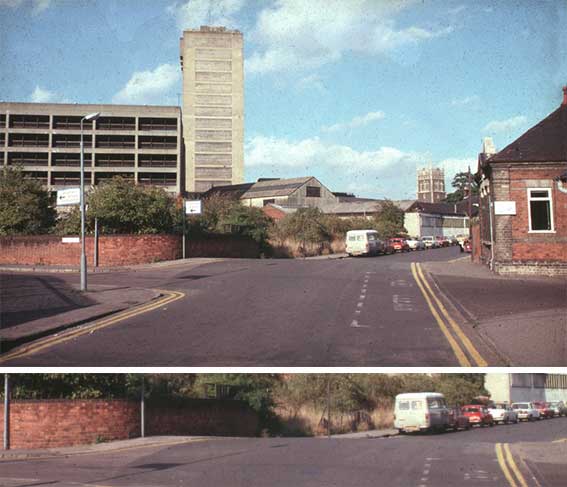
(503, 413)
(526, 411)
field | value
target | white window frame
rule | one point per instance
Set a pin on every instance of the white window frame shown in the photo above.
(548, 198)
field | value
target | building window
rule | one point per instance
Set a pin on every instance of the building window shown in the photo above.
(313, 192)
(269, 201)
(540, 210)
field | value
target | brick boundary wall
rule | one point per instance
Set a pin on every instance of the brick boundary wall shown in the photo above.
(119, 250)
(215, 417)
(65, 422)
(57, 423)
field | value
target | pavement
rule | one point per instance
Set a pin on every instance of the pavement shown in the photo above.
(34, 306)
(97, 448)
(382, 433)
(146, 442)
(504, 309)
(548, 465)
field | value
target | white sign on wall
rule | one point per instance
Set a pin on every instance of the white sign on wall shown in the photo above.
(504, 207)
(68, 196)
(70, 240)
(193, 207)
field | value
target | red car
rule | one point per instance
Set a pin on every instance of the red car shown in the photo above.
(466, 246)
(544, 409)
(478, 414)
(457, 420)
(399, 244)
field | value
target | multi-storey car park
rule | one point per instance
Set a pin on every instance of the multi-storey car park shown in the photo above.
(150, 145)
(140, 143)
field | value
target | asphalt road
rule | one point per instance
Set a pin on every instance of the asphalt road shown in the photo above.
(441, 460)
(330, 312)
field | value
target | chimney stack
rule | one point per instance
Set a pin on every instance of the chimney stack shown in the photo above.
(564, 96)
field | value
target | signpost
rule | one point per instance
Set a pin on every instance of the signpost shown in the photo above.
(68, 196)
(191, 207)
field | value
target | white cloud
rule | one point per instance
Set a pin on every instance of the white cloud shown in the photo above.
(151, 87)
(295, 34)
(195, 13)
(375, 173)
(312, 153)
(472, 100)
(313, 81)
(38, 6)
(41, 95)
(356, 122)
(500, 126)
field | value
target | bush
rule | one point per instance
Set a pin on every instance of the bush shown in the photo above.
(25, 207)
(123, 207)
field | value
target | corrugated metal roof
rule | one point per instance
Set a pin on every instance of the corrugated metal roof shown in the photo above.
(277, 187)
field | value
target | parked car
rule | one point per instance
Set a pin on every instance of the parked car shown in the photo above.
(399, 244)
(457, 420)
(478, 414)
(388, 248)
(503, 413)
(415, 244)
(363, 242)
(545, 411)
(429, 242)
(441, 242)
(526, 411)
(559, 408)
(421, 411)
(461, 238)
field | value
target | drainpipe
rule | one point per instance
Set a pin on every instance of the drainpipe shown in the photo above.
(490, 220)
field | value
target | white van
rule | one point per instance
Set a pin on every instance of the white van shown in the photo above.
(363, 242)
(421, 411)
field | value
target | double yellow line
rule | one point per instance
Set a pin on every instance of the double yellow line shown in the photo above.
(50, 341)
(466, 353)
(508, 466)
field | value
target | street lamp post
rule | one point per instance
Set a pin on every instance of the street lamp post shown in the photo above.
(89, 118)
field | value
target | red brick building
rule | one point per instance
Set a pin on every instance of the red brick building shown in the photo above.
(523, 205)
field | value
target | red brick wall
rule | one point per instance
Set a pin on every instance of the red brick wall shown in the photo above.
(119, 250)
(534, 247)
(58, 423)
(114, 250)
(200, 417)
(223, 246)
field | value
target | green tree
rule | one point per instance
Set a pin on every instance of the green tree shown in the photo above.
(123, 207)
(255, 389)
(389, 222)
(461, 184)
(25, 207)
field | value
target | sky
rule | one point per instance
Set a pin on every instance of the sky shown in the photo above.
(358, 93)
